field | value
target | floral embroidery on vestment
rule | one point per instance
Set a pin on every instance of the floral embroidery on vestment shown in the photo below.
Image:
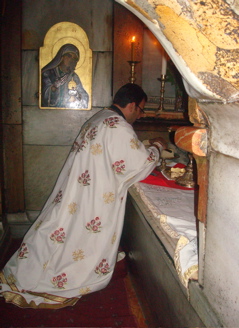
(23, 251)
(134, 143)
(75, 146)
(59, 281)
(78, 255)
(82, 145)
(84, 178)
(38, 224)
(119, 167)
(109, 197)
(92, 133)
(45, 265)
(84, 130)
(58, 236)
(152, 157)
(96, 149)
(58, 197)
(103, 268)
(113, 239)
(94, 225)
(72, 208)
(111, 122)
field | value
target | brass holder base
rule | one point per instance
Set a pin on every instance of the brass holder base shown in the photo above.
(162, 90)
(162, 166)
(187, 179)
(133, 64)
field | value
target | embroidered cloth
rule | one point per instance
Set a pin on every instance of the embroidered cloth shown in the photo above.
(173, 211)
(71, 248)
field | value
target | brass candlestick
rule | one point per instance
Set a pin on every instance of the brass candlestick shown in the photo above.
(162, 90)
(133, 64)
(187, 180)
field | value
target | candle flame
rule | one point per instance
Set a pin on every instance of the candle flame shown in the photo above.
(133, 39)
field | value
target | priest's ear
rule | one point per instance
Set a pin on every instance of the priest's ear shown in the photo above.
(132, 106)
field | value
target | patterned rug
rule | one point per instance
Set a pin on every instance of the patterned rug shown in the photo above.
(114, 306)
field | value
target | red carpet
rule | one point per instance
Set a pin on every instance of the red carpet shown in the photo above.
(106, 308)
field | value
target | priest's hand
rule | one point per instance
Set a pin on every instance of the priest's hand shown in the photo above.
(158, 142)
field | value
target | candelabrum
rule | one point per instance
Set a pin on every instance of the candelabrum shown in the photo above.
(187, 180)
(162, 89)
(133, 64)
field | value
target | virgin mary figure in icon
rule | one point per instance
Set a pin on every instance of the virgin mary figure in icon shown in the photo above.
(61, 86)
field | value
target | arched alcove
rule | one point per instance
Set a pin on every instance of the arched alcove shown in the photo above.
(201, 40)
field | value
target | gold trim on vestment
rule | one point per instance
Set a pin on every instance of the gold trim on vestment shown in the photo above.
(50, 297)
(20, 301)
(4, 280)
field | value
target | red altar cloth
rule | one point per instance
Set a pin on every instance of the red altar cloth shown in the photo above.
(157, 178)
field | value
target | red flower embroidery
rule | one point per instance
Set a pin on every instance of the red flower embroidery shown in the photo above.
(58, 236)
(92, 133)
(23, 251)
(103, 268)
(75, 146)
(111, 122)
(119, 167)
(59, 281)
(151, 157)
(94, 225)
(84, 178)
(58, 197)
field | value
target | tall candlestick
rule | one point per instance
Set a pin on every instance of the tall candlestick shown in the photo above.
(164, 63)
(133, 48)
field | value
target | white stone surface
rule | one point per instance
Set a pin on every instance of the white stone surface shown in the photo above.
(221, 259)
(94, 18)
(42, 165)
(30, 84)
(52, 126)
(224, 132)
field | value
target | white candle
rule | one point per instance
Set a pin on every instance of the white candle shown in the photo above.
(164, 64)
(133, 48)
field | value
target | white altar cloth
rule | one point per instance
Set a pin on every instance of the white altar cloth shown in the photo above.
(173, 210)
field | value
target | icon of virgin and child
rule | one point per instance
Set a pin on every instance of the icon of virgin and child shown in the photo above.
(61, 86)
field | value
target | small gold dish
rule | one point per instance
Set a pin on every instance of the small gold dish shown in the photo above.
(173, 173)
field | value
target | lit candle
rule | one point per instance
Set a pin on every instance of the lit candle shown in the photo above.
(133, 48)
(164, 63)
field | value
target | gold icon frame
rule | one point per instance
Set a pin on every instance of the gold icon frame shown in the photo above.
(57, 36)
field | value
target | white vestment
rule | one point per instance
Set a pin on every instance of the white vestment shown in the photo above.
(71, 248)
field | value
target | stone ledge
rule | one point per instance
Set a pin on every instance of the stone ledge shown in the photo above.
(18, 223)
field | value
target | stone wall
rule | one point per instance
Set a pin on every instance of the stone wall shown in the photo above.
(49, 133)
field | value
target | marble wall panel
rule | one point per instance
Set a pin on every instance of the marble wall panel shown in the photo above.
(10, 45)
(13, 168)
(41, 169)
(92, 16)
(221, 257)
(224, 134)
(52, 126)
(30, 77)
(102, 79)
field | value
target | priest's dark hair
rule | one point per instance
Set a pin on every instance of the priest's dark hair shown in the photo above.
(129, 93)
